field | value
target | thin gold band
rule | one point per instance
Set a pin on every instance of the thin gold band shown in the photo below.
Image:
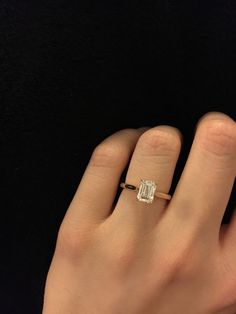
(162, 195)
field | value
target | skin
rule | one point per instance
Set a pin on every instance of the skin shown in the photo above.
(159, 258)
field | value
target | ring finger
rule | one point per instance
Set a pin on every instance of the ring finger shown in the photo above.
(154, 158)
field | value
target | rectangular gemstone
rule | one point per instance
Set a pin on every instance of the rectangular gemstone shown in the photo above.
(146, 191)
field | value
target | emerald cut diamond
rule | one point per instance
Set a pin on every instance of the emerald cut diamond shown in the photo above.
(146, 191)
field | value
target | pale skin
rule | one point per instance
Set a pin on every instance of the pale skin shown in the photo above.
(168, 257)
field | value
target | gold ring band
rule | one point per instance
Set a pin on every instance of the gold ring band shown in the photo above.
(146, 191)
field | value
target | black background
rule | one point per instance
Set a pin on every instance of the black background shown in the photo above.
(72, 73)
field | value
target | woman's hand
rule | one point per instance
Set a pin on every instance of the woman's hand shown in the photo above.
(159, 258)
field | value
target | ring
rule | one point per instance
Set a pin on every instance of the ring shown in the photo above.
(146, 191)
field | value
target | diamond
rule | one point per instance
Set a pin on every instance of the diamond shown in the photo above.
(146, 191)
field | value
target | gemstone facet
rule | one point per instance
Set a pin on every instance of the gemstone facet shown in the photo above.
(146, 191)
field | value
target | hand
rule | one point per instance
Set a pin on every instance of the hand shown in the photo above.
(161, 258)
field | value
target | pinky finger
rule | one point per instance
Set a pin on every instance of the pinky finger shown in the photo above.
(95, 195)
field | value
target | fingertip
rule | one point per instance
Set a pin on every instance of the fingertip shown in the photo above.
(213, 115)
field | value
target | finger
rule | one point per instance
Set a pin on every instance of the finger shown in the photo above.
(207, 180)
(154, 159)
(95, 195)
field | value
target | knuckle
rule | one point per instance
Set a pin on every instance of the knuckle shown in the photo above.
(175, 267)
(118, 251)
(109, 155)
(218, 136)
(179, 266)
(71, 242)
(226, 295)
(120, 256)
(163, 139)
